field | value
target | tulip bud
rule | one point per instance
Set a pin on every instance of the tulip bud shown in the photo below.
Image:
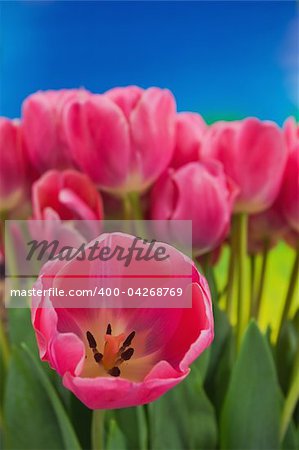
(70, 195)
(288, 198)
(190, 129)
(253, 155)
(123, 139)
(266, 229)
(12, 164)
(199, 192)
(43, 130)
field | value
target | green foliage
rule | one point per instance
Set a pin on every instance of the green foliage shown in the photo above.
(251, 413)
(34, 415)
(115, 439)
(184, 418)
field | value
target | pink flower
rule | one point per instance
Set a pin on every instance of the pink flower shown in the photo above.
(190, 129)
(123, 139)
(68, 195)
(291, 132)
(253, 155)
(115, 358)
(12, 165)
(288, 198)
(43, 130)
(266, 228)
(199, 192)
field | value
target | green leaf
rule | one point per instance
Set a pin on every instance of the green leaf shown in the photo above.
(285, 353)
(22, 332)
(251, 413)
(290, 440)
(20, 327)
(219, 380)
(200, 365)
(115, 438)
(222, 333)
(132, 423)
(183, 418)
(34, 415)
(222, 352)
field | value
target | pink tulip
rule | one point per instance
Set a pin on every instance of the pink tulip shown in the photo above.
(12, 165)
(289, 193)
(291, 132)
(190, 129)
(199, 192)
(123, 139)
(266, 229)
(43, 130)
(68, 195)
(253, 155)
(115, 358)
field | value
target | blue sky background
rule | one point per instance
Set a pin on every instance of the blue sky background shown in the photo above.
(222, 59)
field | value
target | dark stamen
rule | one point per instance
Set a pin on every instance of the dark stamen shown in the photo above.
(126, 355)
(91, 340)
(109, 329)
(114, 372)
(98, 357)
(129, 339)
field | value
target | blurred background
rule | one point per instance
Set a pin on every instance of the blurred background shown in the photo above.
(222, 59)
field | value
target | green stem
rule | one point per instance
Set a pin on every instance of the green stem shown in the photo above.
(252, 282)
(134, 199)
(127, 214)
(242, 280)
(290, 293)
(205, 262)
(97, 429)
(231, 268)
(148, 426)
(258, 300)
(291, 400)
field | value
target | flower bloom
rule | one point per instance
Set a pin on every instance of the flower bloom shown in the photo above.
(123, 139)
(253, 155)
(199, 192)
(12, 164)
(115, 358)
(68, 195)
(190, 129)
(43, 130)
(288, 198)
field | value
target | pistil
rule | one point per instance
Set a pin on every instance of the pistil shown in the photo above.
(116, 350)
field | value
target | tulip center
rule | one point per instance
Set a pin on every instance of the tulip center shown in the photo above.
(116, 350)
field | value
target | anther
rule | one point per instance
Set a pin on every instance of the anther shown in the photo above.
(109, 329)
(126, 355)
(114, 372)
(128, 340)
(98, 357)
(91, 340)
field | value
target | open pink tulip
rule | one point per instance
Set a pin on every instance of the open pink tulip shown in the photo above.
(253, 155)
(199, 192)
(115, 358)
(123, 139)
(12, 164)
(66, 195)
(43, 130)
(190, 129)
